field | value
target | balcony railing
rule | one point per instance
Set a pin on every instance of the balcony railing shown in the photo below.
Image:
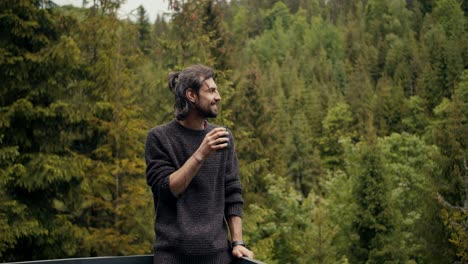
(144, 259)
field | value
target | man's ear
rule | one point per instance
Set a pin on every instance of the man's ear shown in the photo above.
(191, 95)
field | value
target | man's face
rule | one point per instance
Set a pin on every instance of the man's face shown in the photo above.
(207, 99)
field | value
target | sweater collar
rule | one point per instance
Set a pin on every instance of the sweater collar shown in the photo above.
(192, 131)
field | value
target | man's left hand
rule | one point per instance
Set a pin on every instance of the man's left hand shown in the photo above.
(241, 251)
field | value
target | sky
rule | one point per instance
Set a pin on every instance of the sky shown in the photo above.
(153, 7)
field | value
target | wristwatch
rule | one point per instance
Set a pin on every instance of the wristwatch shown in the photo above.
(238, 243)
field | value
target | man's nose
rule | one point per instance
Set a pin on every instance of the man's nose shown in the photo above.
(217, 97)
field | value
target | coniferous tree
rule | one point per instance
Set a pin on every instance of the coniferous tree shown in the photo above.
(449, 133)
(39, 170)
(337, 127)
(414, 119)
(388, 106)
(144, 30)
(112, 194)
(444, 42)
(410, 163)
(341, 208)
(304, 166)
(374, 221)
(358, 96)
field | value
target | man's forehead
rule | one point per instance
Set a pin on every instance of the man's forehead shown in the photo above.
(209, 83)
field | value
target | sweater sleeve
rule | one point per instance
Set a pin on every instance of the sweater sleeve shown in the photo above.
(158, 167)
(233, 188)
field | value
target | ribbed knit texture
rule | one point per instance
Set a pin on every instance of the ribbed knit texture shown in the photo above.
(191, 226)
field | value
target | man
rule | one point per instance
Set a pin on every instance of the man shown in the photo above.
(193, 173)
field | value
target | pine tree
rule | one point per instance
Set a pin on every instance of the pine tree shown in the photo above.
(112, 199)
(250, 124)
(374, 221)
(144, 29)
(414, 119)
(449, 133)
(444, 45)
(197, 33)
(320, 233)
(39, 169)
(411, 166)
(341, 207)
(336, 127)
(388, 106)
(289, 228)
(358, 96)
(304, 166)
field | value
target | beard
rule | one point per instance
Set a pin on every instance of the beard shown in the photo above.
(205, 112)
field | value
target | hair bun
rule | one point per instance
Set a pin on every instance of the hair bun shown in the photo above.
(173, 79)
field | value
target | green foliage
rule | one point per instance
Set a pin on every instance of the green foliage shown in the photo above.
(289, 228)
(341, 208)
(410, 162)
(374, 219)
(449, 132)
(415, 120)
(337, 127)
(388, 105)
(457, 221)
(38, 126)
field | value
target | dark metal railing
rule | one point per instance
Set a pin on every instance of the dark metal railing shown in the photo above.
(143, 259)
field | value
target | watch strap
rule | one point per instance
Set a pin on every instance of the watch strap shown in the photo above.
(238, 243)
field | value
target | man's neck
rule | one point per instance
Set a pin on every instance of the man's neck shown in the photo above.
(192, 122)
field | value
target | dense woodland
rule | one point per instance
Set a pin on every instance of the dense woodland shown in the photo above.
(350, 119)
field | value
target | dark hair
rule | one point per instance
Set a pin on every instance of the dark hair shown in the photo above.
(191, 77)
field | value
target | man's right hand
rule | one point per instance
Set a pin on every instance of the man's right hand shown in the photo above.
(215, 140)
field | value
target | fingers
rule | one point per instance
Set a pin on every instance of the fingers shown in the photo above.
(240, 251)
(247, 253)
(236, 253)
(218, 138)
(218, 132)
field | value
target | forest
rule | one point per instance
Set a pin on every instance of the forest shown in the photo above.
(349, 118)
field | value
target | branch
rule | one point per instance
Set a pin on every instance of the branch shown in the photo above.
(465, 178)
(465, 165)
(444, 202)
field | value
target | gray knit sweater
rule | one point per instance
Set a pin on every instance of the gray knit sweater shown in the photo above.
(191, 228)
